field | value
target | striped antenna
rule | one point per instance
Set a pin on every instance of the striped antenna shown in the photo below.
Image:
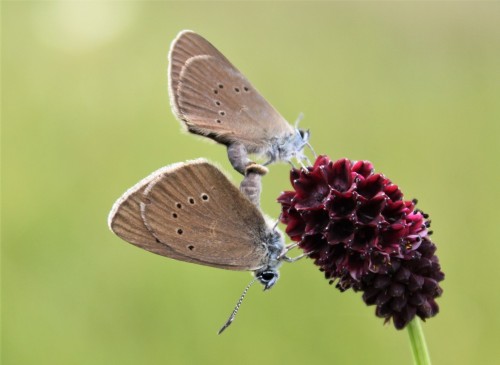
(235, 311)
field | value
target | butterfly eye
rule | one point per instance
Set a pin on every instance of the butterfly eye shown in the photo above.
(267, 276)
(304, 134)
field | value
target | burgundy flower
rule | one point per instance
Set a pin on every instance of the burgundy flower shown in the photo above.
(357, 228)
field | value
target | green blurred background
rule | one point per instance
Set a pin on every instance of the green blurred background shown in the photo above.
(413, 87)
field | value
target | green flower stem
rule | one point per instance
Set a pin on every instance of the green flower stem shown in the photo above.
(418, 344)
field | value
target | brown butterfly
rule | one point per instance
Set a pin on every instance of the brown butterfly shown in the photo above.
(192, 212)
(215, 100)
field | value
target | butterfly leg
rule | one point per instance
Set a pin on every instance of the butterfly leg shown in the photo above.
(277, 222)
(293, 259)
(312, 150)
(289, 247)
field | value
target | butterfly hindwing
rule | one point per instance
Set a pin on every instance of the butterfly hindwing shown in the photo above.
(200, 214)
(126, 222)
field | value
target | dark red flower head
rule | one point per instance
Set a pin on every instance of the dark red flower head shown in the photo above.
(357, 228)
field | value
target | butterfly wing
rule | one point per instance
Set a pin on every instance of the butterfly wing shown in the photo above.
(186, 45)
(214, 99)
(126, 222)
(196, 211)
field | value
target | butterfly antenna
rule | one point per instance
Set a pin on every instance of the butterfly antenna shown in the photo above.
(277, 222)
(237, 307)
(298, 120)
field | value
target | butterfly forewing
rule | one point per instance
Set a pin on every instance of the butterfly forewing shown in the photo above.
(187, 44)
(126, 222)
(200, 214)
(214, 99)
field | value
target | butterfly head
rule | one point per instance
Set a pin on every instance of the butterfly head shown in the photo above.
(302, 138)
(268, 277)
(268, 274)
(289, 147)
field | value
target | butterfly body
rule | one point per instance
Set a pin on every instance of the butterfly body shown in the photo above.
(213, 99)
